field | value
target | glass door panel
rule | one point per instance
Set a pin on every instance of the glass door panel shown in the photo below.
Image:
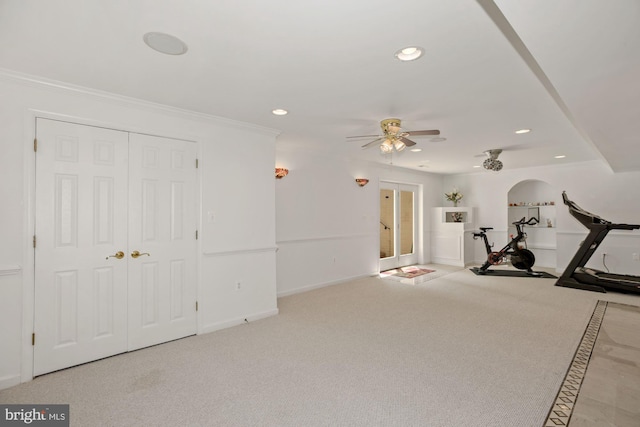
(398, 230)
(406, 222)
(387, 221)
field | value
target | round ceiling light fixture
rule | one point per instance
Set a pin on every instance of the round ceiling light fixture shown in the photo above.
(165, 43)
(410, 53)
(280, 112)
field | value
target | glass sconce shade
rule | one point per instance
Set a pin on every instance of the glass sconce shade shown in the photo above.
(281, 173)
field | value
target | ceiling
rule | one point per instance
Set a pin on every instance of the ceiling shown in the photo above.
(567, 70)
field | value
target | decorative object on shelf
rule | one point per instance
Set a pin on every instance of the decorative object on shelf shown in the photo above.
(457, 216)
(455, 196)
(362, 181)
(492, 163)
(281, 173)
(520, 204)
(549, 223)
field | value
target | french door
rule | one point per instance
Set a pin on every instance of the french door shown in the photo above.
(398, 225)
(115, 250)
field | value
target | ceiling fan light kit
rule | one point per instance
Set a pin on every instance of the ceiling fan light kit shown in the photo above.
(386, 147)
(492, 163)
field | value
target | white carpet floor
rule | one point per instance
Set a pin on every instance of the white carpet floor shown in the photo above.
(458, 350)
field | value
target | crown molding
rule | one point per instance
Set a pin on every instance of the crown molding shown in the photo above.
(45, 83)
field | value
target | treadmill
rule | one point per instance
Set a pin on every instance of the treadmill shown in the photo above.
(577, 275)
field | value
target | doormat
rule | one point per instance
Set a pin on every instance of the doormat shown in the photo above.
(410, 275)
(406, 272)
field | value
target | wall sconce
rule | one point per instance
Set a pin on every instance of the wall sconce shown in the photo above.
(362, 181)
(281, 173)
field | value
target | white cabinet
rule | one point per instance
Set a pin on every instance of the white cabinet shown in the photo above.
(452, 235)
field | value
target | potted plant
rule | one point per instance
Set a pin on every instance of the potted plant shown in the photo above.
(455, 196)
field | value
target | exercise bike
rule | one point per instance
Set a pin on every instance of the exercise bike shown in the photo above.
(515, 251)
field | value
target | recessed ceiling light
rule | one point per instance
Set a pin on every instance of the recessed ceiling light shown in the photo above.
(561, 156)
(410, 53)
(476, 166)
(165, 43)
(521, 131)
(416, 150)
(280, 112)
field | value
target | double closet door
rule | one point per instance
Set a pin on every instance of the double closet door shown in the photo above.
(115, 242)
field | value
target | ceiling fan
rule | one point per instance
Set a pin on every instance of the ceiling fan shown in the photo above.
(394, 137)
(492, 163)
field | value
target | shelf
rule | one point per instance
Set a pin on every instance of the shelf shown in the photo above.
(465, 214)
(531, 206)
(534, 228)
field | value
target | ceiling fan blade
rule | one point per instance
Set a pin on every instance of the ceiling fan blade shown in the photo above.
(407, 142)
(364, 136)
(423, 132)
(371, 143)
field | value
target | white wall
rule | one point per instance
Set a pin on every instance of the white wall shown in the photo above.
(236, 182)
(615, 197)
(327, 226)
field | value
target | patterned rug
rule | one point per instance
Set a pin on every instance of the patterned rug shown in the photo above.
(410, 275)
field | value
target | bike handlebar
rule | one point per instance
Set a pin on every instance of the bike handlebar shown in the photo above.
(532, 221)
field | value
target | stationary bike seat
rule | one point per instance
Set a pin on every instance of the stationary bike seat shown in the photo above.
(486, 228)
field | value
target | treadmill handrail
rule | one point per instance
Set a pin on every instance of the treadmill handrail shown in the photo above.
(589, 219)
(624, 226)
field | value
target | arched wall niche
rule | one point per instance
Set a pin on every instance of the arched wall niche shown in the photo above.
(532, 191)
(534, 197)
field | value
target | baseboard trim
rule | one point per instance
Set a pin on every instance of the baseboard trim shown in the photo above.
(212, 327)
(323, 284)
(9, 381)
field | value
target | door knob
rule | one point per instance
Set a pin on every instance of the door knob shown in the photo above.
(118, 255)
(136, 254)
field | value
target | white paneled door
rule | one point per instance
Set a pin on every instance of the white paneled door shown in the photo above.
(101, 195)
(162, 219)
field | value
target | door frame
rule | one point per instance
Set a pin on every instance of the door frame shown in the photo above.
(29, 193)
(416, 257)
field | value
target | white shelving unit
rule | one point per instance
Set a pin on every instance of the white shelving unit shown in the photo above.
(452, 240)
(541, 238)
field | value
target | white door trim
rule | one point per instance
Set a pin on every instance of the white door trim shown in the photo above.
(28, 273)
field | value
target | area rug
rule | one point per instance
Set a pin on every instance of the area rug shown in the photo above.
(411, 275)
